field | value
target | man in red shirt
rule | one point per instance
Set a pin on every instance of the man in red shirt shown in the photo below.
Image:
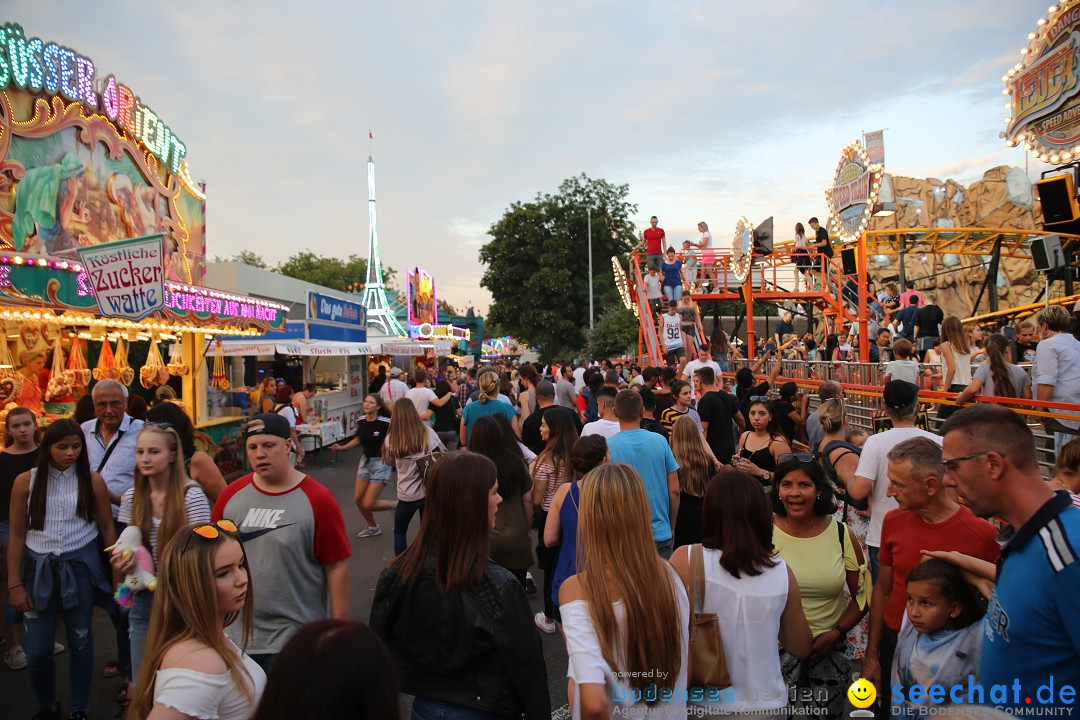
(928, 519)
(653, 242)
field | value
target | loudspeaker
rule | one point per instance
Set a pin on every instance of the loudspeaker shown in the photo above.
(1058, 197)
(1046, 252)
(763, 238)
(850, 261)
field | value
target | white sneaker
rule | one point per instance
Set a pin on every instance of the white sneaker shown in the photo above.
(57, 648)
(15, 658)
(545, 625)
(369, 532)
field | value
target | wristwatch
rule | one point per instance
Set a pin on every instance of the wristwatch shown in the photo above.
(767, 476)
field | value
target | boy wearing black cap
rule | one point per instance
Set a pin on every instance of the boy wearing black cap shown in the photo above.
(294, 537)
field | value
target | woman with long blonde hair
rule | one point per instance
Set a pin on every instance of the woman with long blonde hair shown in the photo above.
(625, 614)
(955, 361)
(162, 500)
(696, 466)
(192, 667)
(407, 439)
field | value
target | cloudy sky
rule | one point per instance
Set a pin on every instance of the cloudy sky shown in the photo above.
(708, 110)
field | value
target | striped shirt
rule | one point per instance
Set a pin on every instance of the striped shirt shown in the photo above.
(196, 510)
(64, 531)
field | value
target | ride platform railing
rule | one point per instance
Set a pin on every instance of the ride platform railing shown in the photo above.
(863, 383)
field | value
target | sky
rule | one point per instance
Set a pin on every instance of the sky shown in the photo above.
(707, 110)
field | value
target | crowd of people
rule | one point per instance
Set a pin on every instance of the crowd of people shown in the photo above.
(657, 504)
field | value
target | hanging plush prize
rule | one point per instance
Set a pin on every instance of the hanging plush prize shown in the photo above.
(218, 381)
(106, 363)
(58, 386)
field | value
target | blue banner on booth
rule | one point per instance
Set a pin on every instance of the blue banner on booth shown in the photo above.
(324, 308)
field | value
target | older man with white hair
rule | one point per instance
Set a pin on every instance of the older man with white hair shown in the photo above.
(110, 439)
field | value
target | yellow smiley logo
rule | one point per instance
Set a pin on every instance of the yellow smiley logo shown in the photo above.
(862, 693)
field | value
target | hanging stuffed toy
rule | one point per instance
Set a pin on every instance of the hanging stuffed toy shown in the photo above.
(142, 577)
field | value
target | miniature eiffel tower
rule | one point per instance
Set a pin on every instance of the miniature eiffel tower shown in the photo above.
(374, 297)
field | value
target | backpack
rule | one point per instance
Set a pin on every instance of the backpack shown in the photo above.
(592, 411)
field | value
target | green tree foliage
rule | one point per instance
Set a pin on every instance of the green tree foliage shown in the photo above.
(537, 263)
(614, 335)
(329, 272)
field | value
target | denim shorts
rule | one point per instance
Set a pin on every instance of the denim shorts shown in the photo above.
(374, 470)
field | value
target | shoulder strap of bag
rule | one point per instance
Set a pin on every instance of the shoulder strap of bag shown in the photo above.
(108, 450)
(840, 529)
(697, 575)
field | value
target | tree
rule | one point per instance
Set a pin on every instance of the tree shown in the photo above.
(537, 262)
(246, 257)
(614, 335)
(326, 271)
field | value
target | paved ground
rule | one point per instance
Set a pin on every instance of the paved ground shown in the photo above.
(370, 556)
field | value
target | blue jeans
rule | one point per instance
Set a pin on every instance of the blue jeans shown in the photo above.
(402, 517)
(423, 709)
(665, 547)
(138, 627)
(40, 624)
(673, 292)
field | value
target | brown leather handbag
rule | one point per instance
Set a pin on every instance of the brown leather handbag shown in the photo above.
(708, 666)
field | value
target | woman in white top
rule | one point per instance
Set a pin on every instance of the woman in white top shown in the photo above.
(407, 440)
(162, 501)
(955, 354)
(801, 255)
(626, 620)
(708, 255)
(58, 510)
(191, 670)
(753, 593)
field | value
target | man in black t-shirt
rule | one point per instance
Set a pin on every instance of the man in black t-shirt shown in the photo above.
(822, 243)
(928, 326)
(906, 318)
(718, 410)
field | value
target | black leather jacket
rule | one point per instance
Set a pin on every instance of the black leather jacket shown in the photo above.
(478, 649)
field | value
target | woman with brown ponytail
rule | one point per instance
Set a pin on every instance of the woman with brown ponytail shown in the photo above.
(997, 376)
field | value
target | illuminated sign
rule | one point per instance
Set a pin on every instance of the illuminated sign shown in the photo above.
(182, 300)
(427, 330)
(853, 193)
(423, 307)
(331, 309)
(127, 277)
(34, 65)
(1044, 88)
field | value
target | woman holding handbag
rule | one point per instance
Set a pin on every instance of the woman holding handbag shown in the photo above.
(619, 611)
(408, 439)
(737, 583)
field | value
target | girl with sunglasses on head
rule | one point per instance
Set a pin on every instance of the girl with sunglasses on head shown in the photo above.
(761, 445)
(58, 511)
(191, 669)
(162, 500)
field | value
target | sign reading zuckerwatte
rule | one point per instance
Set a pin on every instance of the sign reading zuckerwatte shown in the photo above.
(330, 309)
(128, 276)
(1044, 88)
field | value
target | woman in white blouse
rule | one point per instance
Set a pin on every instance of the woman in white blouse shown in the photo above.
(626, 620)
(754, 595)
(708, 255)
(190, 668)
